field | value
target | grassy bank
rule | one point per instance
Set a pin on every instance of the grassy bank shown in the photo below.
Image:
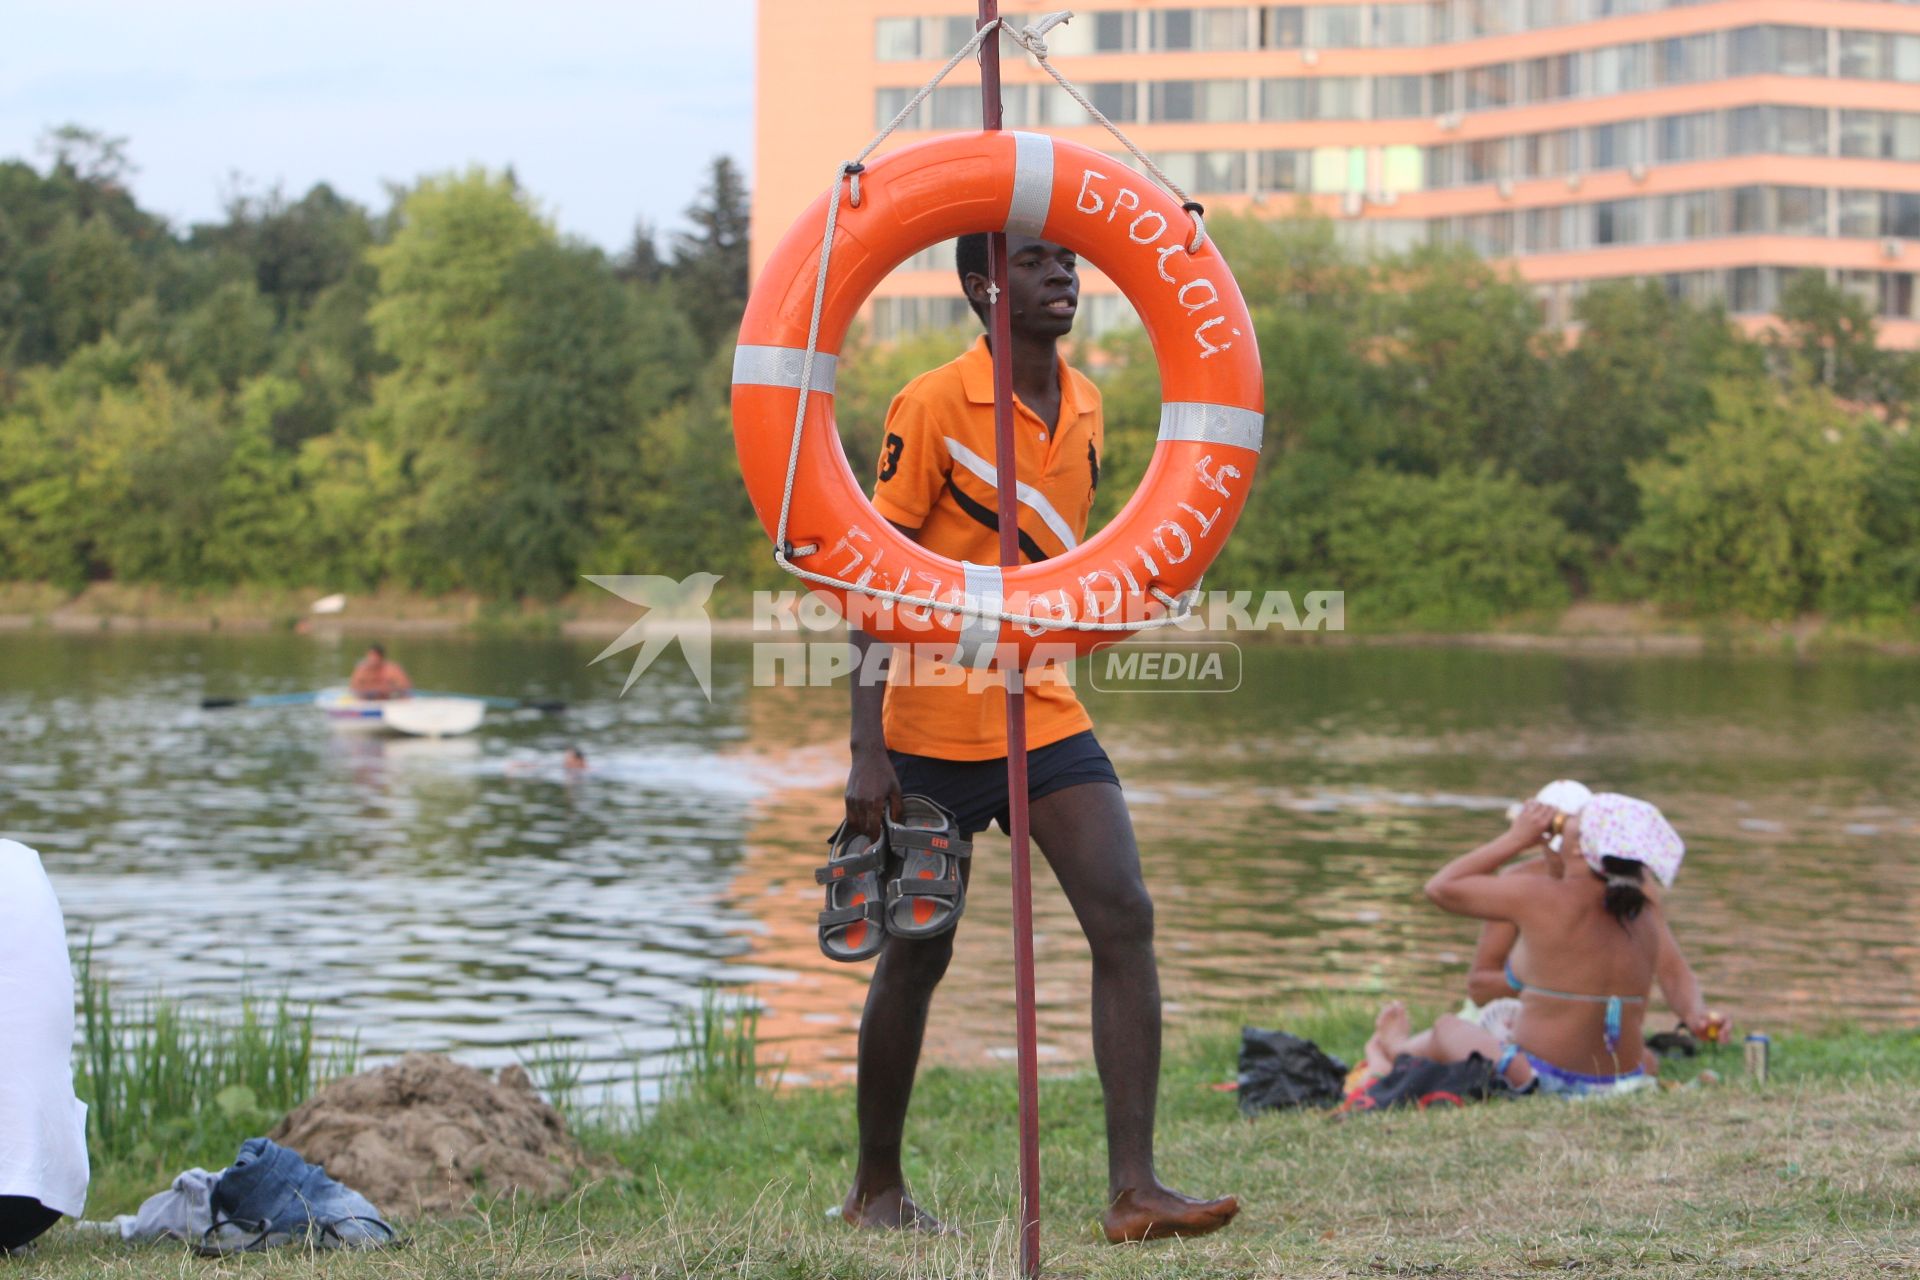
(1584, 626)
(1817, 1173)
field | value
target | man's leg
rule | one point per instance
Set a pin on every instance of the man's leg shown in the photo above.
(1087, 837)
(892, 1027)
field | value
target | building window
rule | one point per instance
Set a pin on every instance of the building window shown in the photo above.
(1689, 137)
(954, 107)
(1208, 101)
(1896, 295)
(1618, 222)
(1284, 171)
(1873, 55)
(896, 39)
(1684, 59)
(1336, 26)
(1549, 155)
(1860, 214)
(1550, 79)
(1693, 216)
(1399, 25)
(1620, 69)
(1172, 31)
(1880, 135)
(1550, 230)
(895, 318)
(1208, 30)
(1800, 211)
(1205, 172)
(1617, 146)
(1491, 87)
(1118, 101)
(1777, 51)
(1488, 160)
(1326, 98)
(1097, 32)
(1789, 131)
(887, 104)
(1399, 97)
(1283, 27)
(1900, 215)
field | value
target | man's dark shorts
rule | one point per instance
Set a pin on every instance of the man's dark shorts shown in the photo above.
(976, 790)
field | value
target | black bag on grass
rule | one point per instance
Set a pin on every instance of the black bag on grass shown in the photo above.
(1281, 1070)
(1418, 1082)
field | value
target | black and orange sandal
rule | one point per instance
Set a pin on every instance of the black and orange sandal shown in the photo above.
(925, 894)
(854, 924)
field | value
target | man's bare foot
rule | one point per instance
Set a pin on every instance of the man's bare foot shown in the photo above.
(890, 1210)
(1156, 1213)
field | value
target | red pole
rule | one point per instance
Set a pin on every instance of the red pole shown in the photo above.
(1026, 1031)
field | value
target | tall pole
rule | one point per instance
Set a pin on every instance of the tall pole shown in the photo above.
(1025, 1031)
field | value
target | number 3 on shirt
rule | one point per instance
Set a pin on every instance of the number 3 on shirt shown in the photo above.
(890, 456)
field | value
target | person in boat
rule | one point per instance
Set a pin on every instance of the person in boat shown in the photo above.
(376, 676)
(43, 1127)
(948, 742)
(1588, 948)
(1492, 986)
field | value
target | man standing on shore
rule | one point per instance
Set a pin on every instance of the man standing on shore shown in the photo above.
(948, 742)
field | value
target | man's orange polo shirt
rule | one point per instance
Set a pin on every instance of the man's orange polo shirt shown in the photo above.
(937, 476)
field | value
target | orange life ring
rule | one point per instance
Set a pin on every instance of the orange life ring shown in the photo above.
(1210, 419)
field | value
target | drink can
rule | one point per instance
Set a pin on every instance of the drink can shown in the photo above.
(1759, 1050)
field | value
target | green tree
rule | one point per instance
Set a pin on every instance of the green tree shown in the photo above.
(1761, 512)
(556, 403)
(1639, 377)
(1466, 372)
(440, 318)
(1458, 549)
(709, 269)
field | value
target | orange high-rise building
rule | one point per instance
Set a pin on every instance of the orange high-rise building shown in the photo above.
(1717, 147)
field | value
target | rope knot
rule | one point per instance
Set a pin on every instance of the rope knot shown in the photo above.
(1032, 38)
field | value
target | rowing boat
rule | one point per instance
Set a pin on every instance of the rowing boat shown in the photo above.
(419, 717)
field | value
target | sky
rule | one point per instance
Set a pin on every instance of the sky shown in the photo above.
(608, 112)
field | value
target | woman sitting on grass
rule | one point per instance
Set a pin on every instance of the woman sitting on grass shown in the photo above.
(1588, 949)
(1490, 987)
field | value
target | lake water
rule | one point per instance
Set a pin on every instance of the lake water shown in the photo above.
(470, 896)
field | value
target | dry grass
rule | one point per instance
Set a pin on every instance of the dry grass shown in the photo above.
(1818, 1179)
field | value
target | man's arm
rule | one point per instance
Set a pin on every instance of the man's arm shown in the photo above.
(873, 788)
(397, 680)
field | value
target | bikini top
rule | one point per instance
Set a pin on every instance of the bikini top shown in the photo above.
(1613, 1003)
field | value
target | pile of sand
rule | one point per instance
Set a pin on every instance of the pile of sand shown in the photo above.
(420, 1136)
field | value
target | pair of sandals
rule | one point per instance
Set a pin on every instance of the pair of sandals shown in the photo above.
(905, 884)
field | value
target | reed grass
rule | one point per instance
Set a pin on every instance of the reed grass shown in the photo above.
(168, 1084)
(715, 1059)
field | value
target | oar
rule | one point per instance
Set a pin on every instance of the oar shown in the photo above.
(261, 700)
(498, 703)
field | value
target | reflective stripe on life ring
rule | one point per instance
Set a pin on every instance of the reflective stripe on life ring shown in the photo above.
(1210, 420)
